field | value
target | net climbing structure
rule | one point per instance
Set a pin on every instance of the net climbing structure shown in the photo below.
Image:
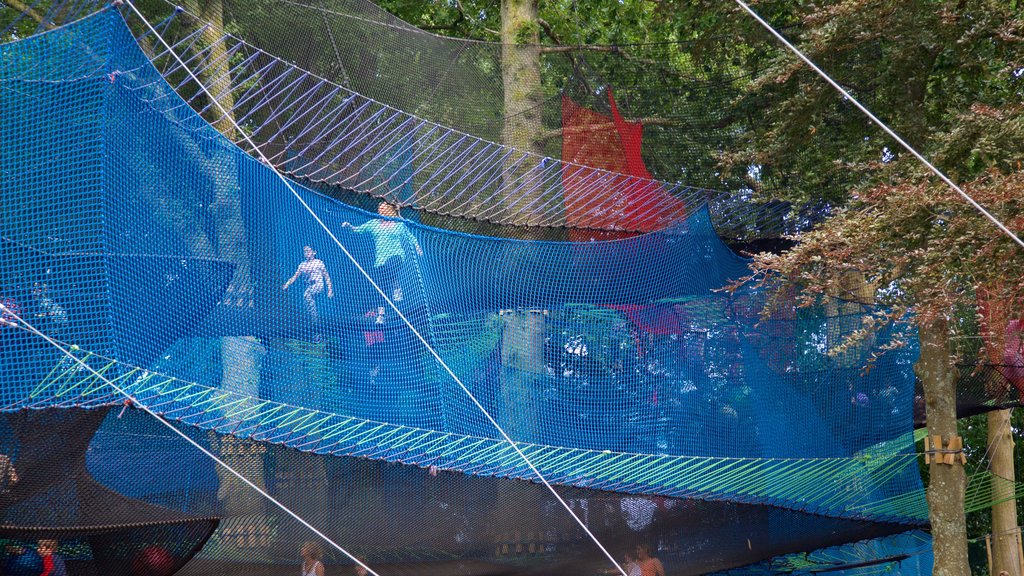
(166, 259)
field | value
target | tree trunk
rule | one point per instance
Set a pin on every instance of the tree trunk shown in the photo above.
(995, 308)
(215, 76)
(524, 99)
(241, 356)
(30, 12)
(1004, 512)
(520, 74)
(853, 293)
(946, 489)
(522, 346)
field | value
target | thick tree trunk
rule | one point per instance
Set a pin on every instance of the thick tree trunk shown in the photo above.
(216, 76)
(937, 372)
(523, 97)
(522, 347)
(1004, 512)
(241, 356)
(520, 73)
(522, 344)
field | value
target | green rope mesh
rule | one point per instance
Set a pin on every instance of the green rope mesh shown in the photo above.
(789, 481)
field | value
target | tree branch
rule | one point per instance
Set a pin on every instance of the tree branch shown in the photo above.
(590, 47)
(549, 31)
(30, 12)
(614, 50)
(561, 132)
(454, 25)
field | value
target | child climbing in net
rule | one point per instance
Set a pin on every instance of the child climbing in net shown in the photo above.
(315, 274)
(393, 244)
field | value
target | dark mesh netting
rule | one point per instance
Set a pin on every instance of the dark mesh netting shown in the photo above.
(688, 110)
(400, 519)
(50, 494)
(670, 126)
(981, 388)
(358, 367)
(907, 553)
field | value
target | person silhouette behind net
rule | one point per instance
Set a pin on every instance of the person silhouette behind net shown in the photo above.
(312, 559)
(53, 563)
(8, 475)
(46, 306)
(314, 272)
(649, 565)
(393, 243)
(629, 565)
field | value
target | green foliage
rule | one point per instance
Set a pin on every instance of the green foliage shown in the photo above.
(932, 70)
(738, 111)
(20, 27)
(526, 32)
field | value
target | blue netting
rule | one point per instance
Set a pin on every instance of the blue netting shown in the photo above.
(136, 232)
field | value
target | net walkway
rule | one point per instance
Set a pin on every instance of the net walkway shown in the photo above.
(735, 479)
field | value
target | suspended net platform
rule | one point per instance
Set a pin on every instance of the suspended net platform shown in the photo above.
(147, 256)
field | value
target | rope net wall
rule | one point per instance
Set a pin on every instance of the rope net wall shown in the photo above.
(180, 269)
(362, 101)
(688, 105)
(315, 128)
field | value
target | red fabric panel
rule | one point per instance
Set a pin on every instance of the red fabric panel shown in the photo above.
(627, 200)
(631, 135)
(651, 207)
(591, 197)
(996, 324)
